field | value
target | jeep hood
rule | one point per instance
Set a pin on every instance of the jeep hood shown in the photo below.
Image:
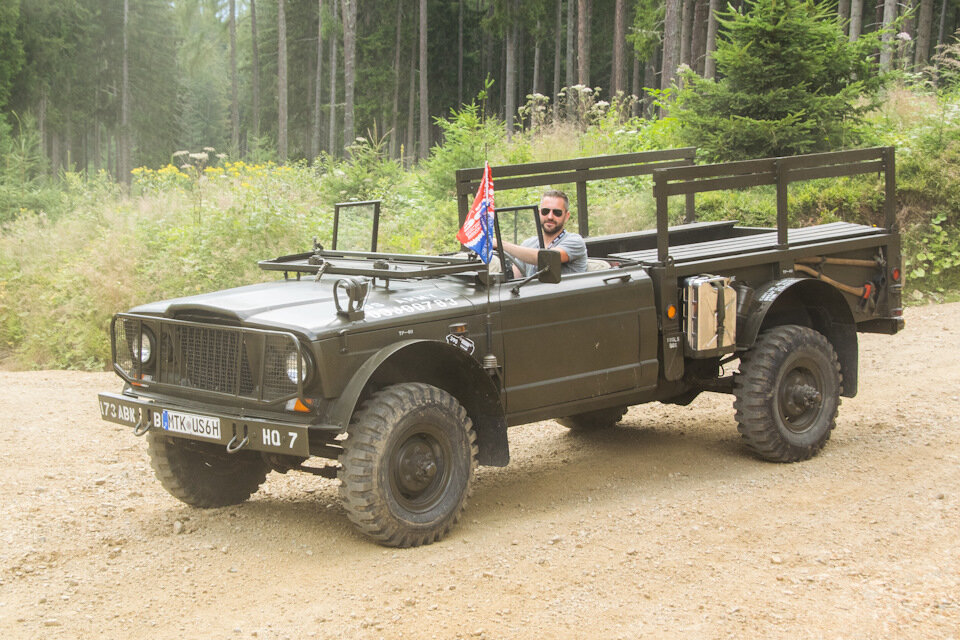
(307, 307)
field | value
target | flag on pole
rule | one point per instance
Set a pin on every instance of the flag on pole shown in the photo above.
(477, 231)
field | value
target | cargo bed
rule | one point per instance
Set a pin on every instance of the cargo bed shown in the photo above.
(751, 243)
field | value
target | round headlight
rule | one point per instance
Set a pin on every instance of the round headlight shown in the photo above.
(146, 348)
(293, 359)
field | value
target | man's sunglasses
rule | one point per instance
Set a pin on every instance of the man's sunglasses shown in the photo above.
(557, 213)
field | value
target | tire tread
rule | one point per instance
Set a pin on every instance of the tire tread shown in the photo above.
(754, 393)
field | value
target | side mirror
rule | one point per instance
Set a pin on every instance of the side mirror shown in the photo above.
(549, 266)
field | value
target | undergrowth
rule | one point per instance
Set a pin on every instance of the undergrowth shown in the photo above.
(66, 271)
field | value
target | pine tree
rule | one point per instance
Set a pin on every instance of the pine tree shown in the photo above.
(791, 82)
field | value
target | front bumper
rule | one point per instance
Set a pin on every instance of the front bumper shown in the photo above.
(232, 431)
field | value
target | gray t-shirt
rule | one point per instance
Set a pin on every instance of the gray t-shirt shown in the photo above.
(570, 242)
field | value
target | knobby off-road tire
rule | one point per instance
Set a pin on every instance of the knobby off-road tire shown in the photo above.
(787, 393)
(407, 465)
(204, 474)
(594, 420)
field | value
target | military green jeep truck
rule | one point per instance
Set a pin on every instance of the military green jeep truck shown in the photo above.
(405, 372)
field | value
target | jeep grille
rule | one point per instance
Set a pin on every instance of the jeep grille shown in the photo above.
(216, 359)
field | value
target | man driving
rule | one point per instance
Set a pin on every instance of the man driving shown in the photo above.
(554, 213)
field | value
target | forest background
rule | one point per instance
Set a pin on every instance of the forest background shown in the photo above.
(155, 148)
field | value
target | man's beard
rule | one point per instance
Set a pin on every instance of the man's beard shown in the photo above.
(558, 227)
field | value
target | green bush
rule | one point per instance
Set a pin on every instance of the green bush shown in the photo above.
(790, 82)
(25, 188)
(469, 140)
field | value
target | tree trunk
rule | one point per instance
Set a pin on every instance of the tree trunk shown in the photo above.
(588, 34)
(535, 82)
(536, 59)
(521, 63)
(635, 85)
(255, 69)
(843, 12)
(349, 67)
(617, 74)
(583, 42)
(671, 43)
(234, 84)
(424, 75)
(886, 40)
(856, 19)
(698, 41)
(332, 147)
(510, 84)
(568, 78)
(556, 59)
(55, 154)
(709, 63)
(924, 27)
(905, 47)
(502, 97)
(315, 134)
(686, 31)
(941, 32)
(650, 79)
(68, 131)
(394, 133)
(42, 122)
(412, 104)
(459, 54)
(123, 158)
(281, 80)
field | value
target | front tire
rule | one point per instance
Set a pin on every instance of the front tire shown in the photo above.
(787, 393)
(407, 465)
(202, 474)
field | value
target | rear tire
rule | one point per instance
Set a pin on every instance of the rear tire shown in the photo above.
(202, 474)
(787, 393)
(594, 420)
(407, 465)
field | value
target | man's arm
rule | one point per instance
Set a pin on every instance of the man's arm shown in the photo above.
(574, 248)
(529, 254)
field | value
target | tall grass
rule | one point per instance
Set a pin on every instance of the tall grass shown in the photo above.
(179, 232)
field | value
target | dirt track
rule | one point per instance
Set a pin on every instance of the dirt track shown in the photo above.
(660, 528)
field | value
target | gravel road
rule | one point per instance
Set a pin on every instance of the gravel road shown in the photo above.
(663, 527)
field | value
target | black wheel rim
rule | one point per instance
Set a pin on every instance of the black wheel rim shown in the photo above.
(800, 394)
(420, 470)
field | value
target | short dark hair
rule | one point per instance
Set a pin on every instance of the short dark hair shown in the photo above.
(556, 193)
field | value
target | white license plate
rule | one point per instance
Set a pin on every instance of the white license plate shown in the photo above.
(191, 424)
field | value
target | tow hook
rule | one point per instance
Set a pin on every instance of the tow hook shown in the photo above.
(142, 425)
(233, 446)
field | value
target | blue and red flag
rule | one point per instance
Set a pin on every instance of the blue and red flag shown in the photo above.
(477, 231)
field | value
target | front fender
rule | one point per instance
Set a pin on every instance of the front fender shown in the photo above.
(443, 366)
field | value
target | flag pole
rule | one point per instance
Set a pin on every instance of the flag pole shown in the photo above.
(490, 359)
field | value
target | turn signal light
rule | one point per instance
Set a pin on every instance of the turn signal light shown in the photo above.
(671, 311)
(301, 407)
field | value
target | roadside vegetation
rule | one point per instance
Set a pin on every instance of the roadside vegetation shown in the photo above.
(202, 223)
(78, 248)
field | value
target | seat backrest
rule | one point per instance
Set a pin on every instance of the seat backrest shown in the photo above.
(596, 264)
